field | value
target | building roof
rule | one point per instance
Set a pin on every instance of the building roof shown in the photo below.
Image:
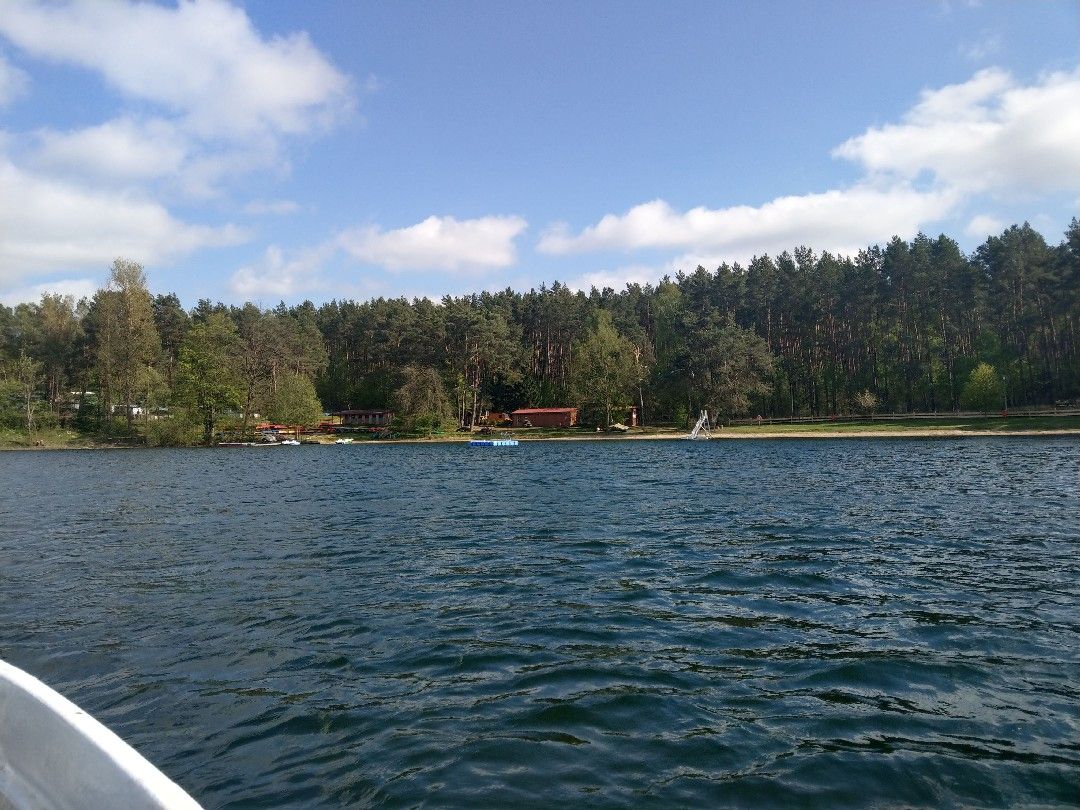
(361, 411)
(544, 410)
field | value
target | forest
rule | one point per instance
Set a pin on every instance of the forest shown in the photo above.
(899, 329)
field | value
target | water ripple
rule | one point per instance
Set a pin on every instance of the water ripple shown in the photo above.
(834, 623)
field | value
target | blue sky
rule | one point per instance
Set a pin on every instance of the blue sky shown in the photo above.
(278, 150)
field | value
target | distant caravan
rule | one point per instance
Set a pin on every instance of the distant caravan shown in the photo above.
(701, 429)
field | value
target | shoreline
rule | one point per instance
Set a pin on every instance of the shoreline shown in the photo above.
(949, 433)
(718, 435)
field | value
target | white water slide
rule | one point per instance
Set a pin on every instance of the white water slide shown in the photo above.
(54, 756)
(701, 429)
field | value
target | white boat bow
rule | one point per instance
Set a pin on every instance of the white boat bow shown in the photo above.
(53, 755)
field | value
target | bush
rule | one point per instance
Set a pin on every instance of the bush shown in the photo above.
(983, 391)
(172, 431)
(867, 402)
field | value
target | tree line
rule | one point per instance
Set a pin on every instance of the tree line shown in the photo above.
(899, 328)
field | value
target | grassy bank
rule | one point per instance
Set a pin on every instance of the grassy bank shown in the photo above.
(869, 428)
(945, 425)
(50, 439)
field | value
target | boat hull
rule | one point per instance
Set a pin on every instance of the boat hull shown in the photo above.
(55, 755)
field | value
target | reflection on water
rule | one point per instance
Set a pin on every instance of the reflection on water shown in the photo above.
(656, 623)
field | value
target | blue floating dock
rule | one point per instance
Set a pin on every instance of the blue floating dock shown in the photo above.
(493, 442)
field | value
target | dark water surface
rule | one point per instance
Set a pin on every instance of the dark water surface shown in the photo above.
(823, 623)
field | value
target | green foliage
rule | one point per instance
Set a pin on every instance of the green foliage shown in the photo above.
(19, 381)
(207, 381)
(606, 368)
(178, 430)
(866, 401)
(728, 367)
(421, 403)
(908, 320)
(983, 390)
(295, 401)
(11, 414)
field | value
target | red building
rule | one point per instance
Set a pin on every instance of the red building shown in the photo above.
(545, 417)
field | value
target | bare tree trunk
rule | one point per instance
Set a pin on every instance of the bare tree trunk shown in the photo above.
(475, 392)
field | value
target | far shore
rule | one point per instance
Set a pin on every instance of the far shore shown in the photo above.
(1071, 427)
(722, 435)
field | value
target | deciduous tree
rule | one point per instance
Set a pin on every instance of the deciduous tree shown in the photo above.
(983, 390)
(607, 367)
(207, 381)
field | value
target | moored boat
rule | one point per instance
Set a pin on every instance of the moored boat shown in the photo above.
(55, 755)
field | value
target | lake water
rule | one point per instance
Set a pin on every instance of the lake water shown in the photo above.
(768, 623)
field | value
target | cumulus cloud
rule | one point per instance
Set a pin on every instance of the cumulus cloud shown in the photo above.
(278, 207)
(840, 221)
(618, 278)
(48, 225)
(204, 61)
(987, 134)
(124, 149)
(13, 82)
(224, 96)
(438, 243)
(75, 287)
(281, 276)
(204, 99)
(984, 225)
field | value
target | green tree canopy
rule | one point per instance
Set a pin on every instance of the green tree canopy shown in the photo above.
(606, 367)
(19, 381)
(728, 366)
(126, 337)
(207, 381)
(295, 401)
(421, 401)
(983, 390)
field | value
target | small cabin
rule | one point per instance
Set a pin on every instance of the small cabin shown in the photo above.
(545, 417)
(366, 417)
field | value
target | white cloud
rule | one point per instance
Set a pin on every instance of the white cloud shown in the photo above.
(226, 97)
(983, 225)
(202, 60)
(984, 135)
(279, 207)
(618, 278)
(49, 225)
(75, 287)
(839, 221)
(438, 243)
(13, 82)
(278, 276)
(122, 150)
(204, 99)
(980, 49)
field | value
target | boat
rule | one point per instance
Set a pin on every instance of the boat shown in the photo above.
(702, 428)
(343, 441)
(291, 442)
(55, 755)
(493, 442)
